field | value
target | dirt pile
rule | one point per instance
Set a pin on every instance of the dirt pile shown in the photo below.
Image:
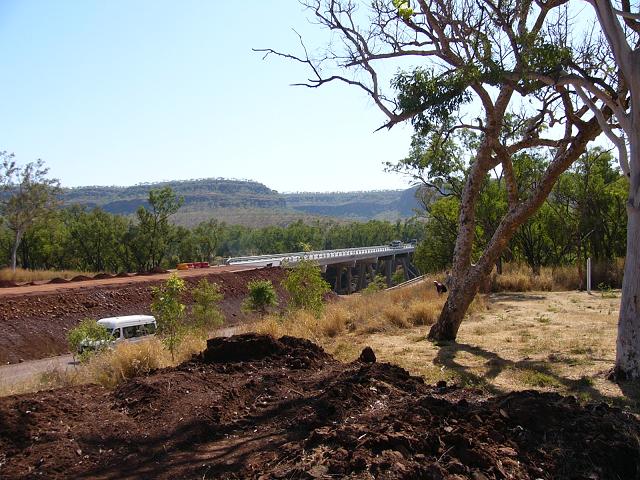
(251, 407)
(36, 325)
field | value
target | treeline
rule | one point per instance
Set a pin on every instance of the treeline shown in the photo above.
(77, 238)
(584, 216)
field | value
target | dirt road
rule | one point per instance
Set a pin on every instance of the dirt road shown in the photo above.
(25, 371)
(116, 281)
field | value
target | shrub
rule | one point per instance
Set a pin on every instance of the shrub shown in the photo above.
(206, 314)
(169, 312)
(262, 295)
(87, 338)
(379, 283)
(306, 287)
(397, 277)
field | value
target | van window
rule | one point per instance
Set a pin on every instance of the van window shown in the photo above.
(147, 329)
(115, 333)
(130, 332)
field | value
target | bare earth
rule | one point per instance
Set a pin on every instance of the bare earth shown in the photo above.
(252, 407)
(35, 319)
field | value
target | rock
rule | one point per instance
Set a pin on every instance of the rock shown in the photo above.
(367, 355)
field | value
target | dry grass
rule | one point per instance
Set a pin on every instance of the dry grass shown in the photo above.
(521, 281)
(53, 378)
(129, 360)
(550, 341)
(519, 278)
(111, 367)
(22, 275)
(385, 311)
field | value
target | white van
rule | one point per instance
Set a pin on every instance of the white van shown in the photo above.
(126, 328)
(129, 327)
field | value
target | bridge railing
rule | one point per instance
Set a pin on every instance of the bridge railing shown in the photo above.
(317, 254)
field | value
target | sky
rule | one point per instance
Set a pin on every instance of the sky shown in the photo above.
(122, 92)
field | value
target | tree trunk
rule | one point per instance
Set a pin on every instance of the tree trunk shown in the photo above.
(458, 301)
(628, 341)
(14, 250)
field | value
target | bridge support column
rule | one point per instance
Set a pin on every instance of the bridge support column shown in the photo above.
(338, 278)
(389, 262)
(349, 279)
(362, 276)
(405, 268)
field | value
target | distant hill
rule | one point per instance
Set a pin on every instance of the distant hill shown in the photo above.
(249, 203)
(365, 205)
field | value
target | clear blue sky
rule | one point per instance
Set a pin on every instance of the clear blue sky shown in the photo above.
(118, 92)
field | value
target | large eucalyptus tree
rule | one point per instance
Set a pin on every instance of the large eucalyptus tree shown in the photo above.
(480, 66)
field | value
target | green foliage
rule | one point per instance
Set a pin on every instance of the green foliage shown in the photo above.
(379, 283)
(404, 9)
(206, 314)
(170, 312)
(94, 240)
(606, 291)
(430, 96)
(154, 231)
(435, 253)
(262, 295)
(397, 277)
(26, 196)
(306, 287)
(584, 217)
(88, 338)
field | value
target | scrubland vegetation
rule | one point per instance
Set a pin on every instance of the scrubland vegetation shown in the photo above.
(558, 341)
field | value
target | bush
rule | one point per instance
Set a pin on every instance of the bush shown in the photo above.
(307, 288)
(398, 277)
(379, 283)
(169, 312)
(262, 295)
(206, 314)
(87, 338)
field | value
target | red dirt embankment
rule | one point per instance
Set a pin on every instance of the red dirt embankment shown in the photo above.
(251, 407)
(34, 323)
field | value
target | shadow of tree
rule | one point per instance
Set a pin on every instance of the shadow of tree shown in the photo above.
(495, 364)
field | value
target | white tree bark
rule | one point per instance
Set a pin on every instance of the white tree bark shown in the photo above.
(628, 341)
(628, 61)
(14, 250)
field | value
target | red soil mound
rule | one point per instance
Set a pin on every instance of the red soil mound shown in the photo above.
(80, 278)
(58, 280)
(288, 410)
(102, 276)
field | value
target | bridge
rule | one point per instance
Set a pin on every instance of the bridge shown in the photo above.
(347, 269)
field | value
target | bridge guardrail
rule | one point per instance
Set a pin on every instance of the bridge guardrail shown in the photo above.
(318, 254)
